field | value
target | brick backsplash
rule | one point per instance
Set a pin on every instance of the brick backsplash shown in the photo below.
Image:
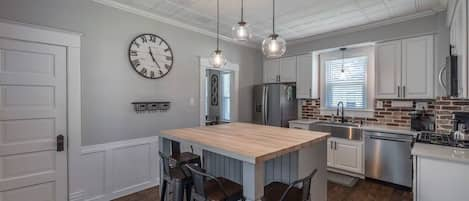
(444, 107)
(441, 109)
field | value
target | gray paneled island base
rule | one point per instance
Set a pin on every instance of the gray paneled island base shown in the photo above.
(255, 155)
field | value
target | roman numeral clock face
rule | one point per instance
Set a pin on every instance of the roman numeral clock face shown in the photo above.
(150, 56)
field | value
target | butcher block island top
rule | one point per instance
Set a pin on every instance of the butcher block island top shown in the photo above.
(247, 142)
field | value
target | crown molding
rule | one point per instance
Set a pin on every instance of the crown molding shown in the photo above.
(364, 27)
(176, 23)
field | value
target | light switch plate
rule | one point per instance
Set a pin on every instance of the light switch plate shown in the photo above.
(379, 105)
(421, 106)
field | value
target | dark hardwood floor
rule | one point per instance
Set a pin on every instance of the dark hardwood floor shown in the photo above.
(364, 190)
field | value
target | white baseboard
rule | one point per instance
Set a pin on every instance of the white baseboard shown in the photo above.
(117, 169)
(77, 196)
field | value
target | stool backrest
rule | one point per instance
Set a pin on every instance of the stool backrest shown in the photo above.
(167, 163)
(199, 178)
(306, 187)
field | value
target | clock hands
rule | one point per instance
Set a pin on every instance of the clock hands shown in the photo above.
(153, 58)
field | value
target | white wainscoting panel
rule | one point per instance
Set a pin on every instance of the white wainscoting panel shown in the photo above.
(117, 169)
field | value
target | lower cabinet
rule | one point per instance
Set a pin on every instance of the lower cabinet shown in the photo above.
(438, 180)
(346, 155)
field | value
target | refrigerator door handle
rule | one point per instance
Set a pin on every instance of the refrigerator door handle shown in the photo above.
(266, 105)
(440, 78)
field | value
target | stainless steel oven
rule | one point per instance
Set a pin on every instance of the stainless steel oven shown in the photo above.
(388, 157)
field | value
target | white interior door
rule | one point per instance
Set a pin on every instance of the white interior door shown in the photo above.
(32, 115)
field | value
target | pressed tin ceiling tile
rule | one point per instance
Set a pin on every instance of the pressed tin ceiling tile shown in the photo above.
(295, 18)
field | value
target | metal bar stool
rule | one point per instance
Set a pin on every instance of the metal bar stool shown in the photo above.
(184, 157)
(277, 191)
(174, 175)
(207, 187)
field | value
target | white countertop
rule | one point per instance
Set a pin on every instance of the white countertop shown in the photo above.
(441, 152)
(304, 121)
(389, 129)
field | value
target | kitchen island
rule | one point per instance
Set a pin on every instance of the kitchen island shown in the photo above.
(255, 155)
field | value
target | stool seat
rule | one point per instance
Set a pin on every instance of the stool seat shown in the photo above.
(233, 190)
(186, 158)
(275, 190)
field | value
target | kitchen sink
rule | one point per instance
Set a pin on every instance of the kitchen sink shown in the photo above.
(345, 130)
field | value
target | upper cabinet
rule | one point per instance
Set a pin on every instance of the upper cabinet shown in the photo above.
(388, 69)
(288, 69)
(404, 69)
(299, 69)
(280, 70)
(271, 71)
(417, 68)
(307, 75)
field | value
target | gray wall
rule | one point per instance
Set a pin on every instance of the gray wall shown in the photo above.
(431, 24)
(109, 84)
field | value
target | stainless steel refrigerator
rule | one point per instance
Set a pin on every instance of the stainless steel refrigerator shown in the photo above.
(275, 104)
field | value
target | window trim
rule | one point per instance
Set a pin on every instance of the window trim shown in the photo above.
(369, 79)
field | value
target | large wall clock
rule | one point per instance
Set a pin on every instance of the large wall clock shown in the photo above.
(151, 56)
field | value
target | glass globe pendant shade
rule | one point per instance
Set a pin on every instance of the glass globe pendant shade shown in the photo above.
(217, 60)
(274, 46)
(242, 31)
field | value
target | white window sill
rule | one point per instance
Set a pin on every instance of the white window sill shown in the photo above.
(363, 113)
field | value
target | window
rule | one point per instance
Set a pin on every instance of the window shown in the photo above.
(346, 82)
(226, 96)
(353, 84)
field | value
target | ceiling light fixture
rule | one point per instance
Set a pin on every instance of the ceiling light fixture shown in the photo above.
(274, 46)
(342, 71)
(217, 60)
(241, 30)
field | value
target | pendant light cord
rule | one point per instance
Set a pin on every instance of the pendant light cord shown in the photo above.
(273, 17)
(218, 25)
(242, 10)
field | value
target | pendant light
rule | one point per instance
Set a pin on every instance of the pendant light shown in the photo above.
(274, 46)
(241, 30)
(342, 71)
(217, 60)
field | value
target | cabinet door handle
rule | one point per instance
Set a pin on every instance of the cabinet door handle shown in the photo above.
(403, 91)
(310, 92)
(60, 143)
(332, 144)
(398, 91)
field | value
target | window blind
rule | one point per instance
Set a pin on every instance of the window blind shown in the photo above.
(348, 86)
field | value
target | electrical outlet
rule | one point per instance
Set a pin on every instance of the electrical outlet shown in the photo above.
(421, 106)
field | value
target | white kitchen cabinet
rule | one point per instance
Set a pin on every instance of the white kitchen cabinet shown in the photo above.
(271, 71)
(287, 69)
(388, 69)
(417, 68)
(405, 69)
(438, 180)
(346, 155)
(280, 70)
(307, 78)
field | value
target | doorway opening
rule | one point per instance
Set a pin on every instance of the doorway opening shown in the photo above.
(219, 93)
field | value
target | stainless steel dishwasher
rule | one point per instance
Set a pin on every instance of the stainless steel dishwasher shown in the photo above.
(388, 157)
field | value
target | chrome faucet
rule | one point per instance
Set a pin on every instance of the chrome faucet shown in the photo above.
(340, 103)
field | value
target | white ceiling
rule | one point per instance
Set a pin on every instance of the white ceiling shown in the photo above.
(295, 19)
